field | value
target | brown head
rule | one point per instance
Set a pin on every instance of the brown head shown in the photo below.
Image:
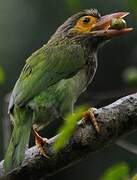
(89, 26)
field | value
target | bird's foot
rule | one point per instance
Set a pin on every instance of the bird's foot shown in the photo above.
(40, 142)
(89, 116)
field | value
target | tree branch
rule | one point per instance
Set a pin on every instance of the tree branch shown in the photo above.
(115, 120)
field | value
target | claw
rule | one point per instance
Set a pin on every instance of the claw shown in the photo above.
(40, 143)
(89, 115)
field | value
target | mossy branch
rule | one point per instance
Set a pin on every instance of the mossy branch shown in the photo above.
(115, 120)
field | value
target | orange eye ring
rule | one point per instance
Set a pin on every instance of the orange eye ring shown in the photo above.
(85, 23)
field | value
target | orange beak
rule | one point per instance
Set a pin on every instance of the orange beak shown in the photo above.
(103, 26)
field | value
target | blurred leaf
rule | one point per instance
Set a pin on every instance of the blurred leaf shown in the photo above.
(74, 5)
(2, 75)
(117, 172)
(68, 128)
(132, 4)
(134, 177)
(130, 76)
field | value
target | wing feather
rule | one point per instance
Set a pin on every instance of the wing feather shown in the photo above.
(45, 68)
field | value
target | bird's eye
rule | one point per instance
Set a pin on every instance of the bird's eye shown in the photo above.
(85, 24)
(86, 20)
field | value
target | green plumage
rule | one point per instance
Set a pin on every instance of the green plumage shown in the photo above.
(46, 67)
(19, 138)
(50, 84)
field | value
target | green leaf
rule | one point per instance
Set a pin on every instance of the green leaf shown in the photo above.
(117, 172)
(74, 5)
(2, 75)
(130, 76)
(68, 128)
(134, 177)
(132, 4)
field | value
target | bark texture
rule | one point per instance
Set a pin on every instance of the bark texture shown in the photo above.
(114, 120)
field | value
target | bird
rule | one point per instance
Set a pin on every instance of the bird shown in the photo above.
(54, 76)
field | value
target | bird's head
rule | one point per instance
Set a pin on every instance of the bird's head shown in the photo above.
(89, 25)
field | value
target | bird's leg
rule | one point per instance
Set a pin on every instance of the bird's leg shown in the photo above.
(39, 141)
(89, 116)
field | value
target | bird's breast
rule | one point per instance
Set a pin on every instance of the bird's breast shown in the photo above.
(84, 77)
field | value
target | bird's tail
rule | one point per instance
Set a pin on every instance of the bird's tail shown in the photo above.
(19, 139)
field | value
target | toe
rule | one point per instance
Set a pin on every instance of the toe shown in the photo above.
(89, 115)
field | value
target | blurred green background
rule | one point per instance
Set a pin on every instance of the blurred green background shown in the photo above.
(26, 25)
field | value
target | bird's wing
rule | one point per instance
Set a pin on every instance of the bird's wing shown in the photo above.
(44, 68)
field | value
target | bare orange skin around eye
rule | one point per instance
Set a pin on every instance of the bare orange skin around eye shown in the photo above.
(85, 27)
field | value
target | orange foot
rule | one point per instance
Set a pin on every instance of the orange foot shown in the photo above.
(89, 115)
(39, 141)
